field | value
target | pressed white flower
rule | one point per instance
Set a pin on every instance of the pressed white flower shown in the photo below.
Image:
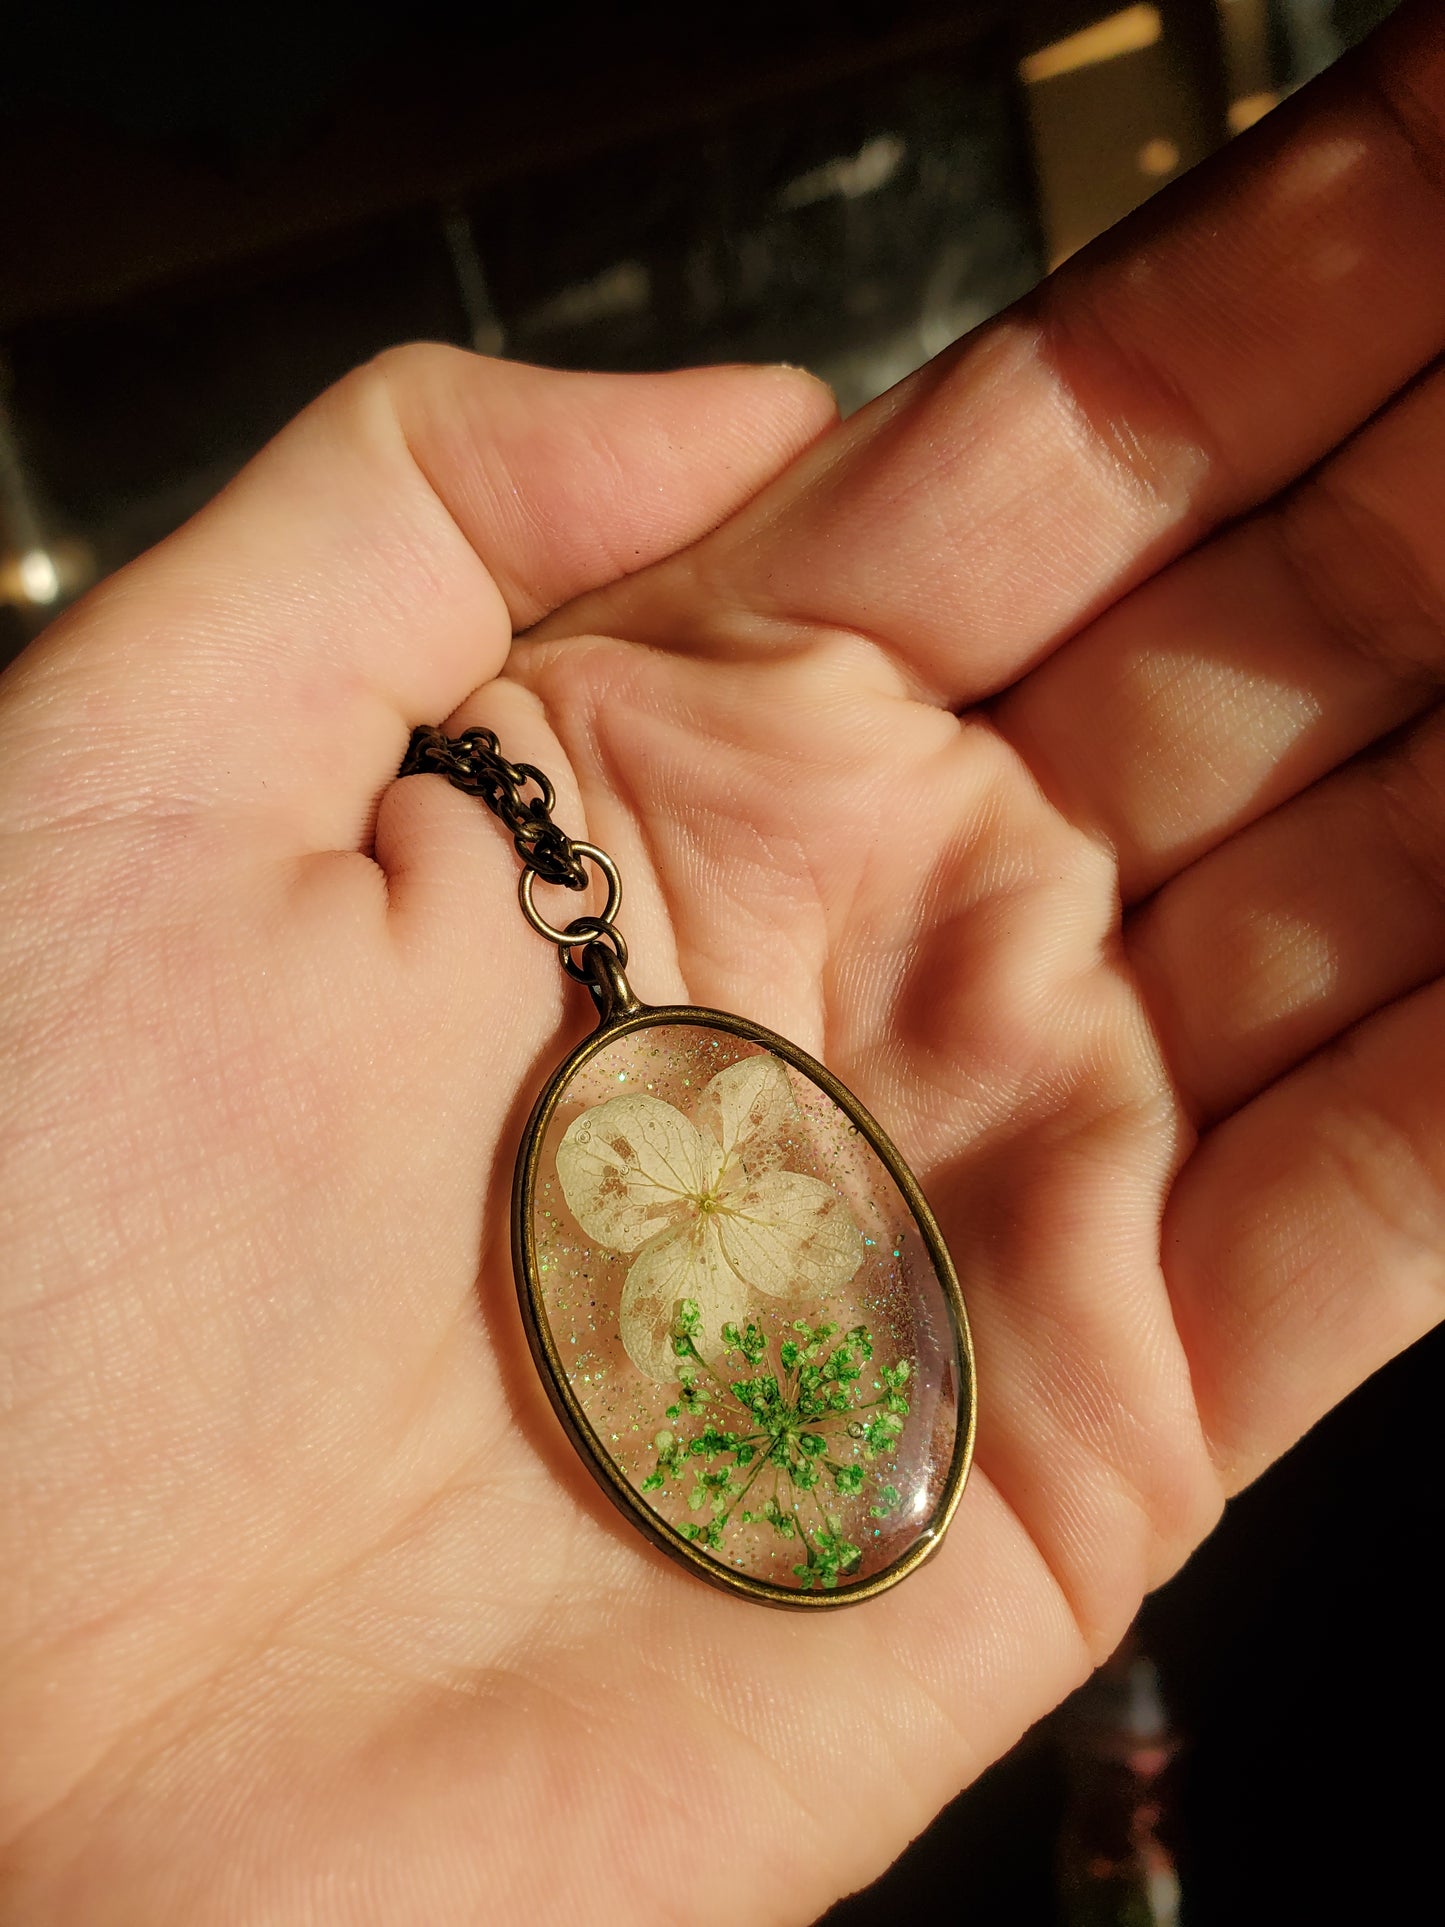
(705, 1205)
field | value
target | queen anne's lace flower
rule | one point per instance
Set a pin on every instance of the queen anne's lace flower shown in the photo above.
(709, 1212)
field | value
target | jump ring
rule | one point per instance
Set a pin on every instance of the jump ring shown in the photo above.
(539, 923)
(605, 936)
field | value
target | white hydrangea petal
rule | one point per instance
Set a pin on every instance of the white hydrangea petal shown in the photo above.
(747, 1110)
(685, 1262)
(628, 1166)
(790, 1236)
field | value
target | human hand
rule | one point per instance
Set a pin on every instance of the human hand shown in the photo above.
(319, 1620)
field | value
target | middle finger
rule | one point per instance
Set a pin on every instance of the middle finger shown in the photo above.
(1300, 927)
(1237, 678)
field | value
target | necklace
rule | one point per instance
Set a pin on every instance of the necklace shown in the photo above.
(733, 1289)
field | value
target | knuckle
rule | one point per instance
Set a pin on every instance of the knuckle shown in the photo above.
(1368, 583)
(1412, 785)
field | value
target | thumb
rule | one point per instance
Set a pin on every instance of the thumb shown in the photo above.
(366, 571)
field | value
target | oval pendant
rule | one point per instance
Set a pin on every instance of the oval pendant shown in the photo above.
(742, 1308)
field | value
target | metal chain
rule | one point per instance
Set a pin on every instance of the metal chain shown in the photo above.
(473, 762)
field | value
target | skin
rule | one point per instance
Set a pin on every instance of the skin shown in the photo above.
(1055, 749)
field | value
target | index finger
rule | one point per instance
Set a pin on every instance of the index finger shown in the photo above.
(1161, 383)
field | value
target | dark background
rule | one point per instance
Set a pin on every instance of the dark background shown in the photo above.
(205, 222)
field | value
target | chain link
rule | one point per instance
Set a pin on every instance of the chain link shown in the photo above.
(474, 762)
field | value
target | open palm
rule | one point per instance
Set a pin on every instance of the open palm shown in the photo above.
(1053, 750)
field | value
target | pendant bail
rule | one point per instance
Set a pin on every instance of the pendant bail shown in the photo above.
(601, 970)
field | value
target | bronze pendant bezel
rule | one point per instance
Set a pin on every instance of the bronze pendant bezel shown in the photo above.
(553, 1374)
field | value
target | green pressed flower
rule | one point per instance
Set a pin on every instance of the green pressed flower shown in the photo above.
(770, 1441)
